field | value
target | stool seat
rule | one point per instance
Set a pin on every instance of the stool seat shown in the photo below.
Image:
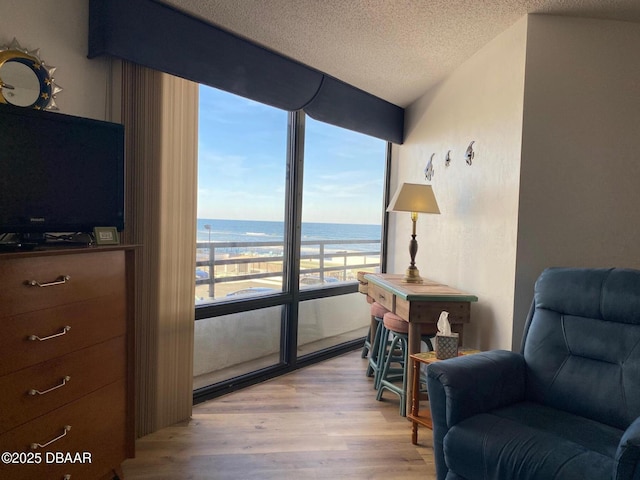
(377, 310)
(397, 324)
(372, 341)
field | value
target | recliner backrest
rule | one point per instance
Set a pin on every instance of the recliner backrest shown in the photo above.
(582, 343)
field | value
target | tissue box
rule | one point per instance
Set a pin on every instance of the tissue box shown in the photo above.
(446, 346)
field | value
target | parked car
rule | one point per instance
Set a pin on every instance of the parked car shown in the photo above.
(201, 274)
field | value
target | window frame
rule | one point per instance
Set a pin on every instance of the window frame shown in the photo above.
(292, 295)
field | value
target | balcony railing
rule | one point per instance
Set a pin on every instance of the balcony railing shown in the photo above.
(223, 268)
(233, 268)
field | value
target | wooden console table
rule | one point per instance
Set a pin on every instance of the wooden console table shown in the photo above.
(420, 303)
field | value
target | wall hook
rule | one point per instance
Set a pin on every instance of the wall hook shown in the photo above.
(428, 171)
(470, 153)
(447, 160)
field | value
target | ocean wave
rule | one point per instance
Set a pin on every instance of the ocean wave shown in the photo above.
(254, 230)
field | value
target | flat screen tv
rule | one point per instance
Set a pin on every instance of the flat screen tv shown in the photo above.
(59, 173)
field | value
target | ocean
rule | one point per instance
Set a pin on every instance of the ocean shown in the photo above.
(225, 231)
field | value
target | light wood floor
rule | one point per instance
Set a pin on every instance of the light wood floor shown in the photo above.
(320, 422)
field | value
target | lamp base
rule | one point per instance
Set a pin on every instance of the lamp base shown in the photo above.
(412, 275)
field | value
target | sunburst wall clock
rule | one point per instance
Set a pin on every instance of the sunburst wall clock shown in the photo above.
(25, 80)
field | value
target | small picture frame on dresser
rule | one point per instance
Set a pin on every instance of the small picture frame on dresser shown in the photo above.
(106, 235)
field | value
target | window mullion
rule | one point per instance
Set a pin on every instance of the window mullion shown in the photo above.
(293, 228)
(386, 195)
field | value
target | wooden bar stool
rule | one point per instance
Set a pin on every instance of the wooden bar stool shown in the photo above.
(395, 379)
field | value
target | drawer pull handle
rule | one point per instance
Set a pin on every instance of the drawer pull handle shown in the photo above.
(381, 297)
(35, 446)
(61, 280)
(33, 391)
(64, 331)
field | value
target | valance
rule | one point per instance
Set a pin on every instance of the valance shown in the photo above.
(160, 37)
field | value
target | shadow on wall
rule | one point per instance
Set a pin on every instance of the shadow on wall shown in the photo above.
(420, 107)
(482, 327)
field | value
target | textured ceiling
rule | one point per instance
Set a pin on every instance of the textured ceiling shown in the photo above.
(395, 49)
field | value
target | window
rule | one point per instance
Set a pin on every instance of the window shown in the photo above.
(342, 203)
(241, 197)
(271, 287)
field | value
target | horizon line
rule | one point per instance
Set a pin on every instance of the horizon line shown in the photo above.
(282, 221)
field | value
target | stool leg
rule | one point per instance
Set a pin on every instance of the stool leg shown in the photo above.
(399, 341)
(373, 363)
(383, 343)
(367, 343)
(388, 375)
(427, 340)
(384, 382)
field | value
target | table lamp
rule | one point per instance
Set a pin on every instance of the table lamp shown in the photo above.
(414, 198)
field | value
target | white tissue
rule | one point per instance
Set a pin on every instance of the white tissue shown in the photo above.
(444, 328)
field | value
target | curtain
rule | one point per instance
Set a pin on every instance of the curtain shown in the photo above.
(160, 114)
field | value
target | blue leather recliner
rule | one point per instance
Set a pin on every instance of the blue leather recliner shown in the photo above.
(566, 407)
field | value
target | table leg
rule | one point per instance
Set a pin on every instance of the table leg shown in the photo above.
(414, 347)
(415, 401)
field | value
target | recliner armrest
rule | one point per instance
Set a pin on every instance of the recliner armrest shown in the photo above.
(628, 454)
(464, 386)
(477, 383)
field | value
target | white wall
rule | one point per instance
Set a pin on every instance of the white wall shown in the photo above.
(579, 195)
(59, 28)
(472, 244)
(554, 107)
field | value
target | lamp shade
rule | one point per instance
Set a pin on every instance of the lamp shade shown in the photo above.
(414, 197)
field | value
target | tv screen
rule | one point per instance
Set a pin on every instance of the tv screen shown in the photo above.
(59, 173)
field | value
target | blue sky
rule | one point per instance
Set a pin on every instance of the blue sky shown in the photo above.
(242, 165)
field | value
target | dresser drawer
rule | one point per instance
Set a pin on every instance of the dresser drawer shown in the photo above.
(91, 321)
(34, 391)
(89, 276)
(97, 424)
(382, 296)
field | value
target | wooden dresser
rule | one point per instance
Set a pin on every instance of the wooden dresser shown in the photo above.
(66, 363)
